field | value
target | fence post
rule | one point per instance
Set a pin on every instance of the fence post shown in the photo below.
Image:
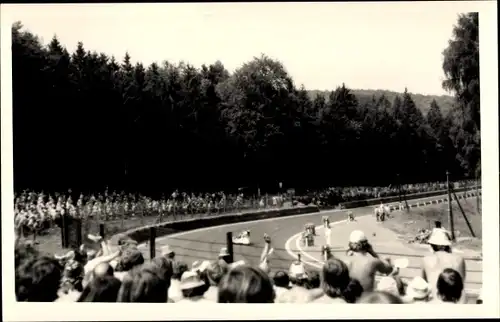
(64, 230)
(477, 197)
(229, 242)
(152, 242)
(101, 230)
(450, 211)
(79, 231)
(463, 214)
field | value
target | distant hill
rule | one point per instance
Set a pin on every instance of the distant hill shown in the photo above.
(422, 101)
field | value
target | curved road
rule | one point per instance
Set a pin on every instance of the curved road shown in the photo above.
(205, 243)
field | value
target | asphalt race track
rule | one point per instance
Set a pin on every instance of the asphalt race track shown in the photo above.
(205, 243)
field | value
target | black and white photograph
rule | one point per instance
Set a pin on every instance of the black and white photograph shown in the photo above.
(265, 153)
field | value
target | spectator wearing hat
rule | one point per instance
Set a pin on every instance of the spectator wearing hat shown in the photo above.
(224, 256)
(246, 284)
(297, 273)
(441, 258)
(364, 262)
(418, 291)
(439, 227)
(167, 252)
(297, 293)
(193, 288)
(390, 285)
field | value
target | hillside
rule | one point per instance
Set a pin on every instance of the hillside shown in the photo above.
(422, 101)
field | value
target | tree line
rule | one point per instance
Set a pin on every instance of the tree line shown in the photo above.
(86, 120)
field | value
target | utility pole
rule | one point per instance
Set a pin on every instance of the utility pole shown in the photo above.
(450, 211)
(399, 189)
(478, 207)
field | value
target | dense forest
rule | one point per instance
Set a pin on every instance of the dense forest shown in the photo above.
(85, 120)
(423, 102)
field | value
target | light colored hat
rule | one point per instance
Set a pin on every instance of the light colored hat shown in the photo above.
(297, 271)
(190, 280)
(357, 236)
(200, 266)
(388, 284)
(166, 250)
(418, 289)
(223, 252)
(236, 264)
(439, 238)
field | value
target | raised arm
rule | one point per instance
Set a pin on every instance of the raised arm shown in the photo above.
(101, 259)
(384, 266)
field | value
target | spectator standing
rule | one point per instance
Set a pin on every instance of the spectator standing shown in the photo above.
(364, 262)
(193, 288)
(441, 258)
(334, 281)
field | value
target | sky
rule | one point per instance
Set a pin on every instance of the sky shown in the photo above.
(389, 45)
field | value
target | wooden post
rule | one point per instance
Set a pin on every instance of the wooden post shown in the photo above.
(79, 237)
(101, 230)
(450, 211)
(152, 242)
(63, 232)
(229, 244)
(477, 197)
(399, 189)
(465, 217)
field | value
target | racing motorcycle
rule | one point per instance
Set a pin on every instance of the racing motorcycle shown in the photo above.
(242, 238)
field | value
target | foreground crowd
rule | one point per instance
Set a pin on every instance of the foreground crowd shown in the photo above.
(120, 273)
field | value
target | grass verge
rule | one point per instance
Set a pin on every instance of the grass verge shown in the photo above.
(407, 224)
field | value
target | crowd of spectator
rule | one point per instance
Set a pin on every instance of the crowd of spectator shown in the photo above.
(36, 211)
(336, 195)
(119, 273)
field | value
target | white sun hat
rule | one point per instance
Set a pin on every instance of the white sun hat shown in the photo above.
(190, 280)
(388, 284)
(439, 238)
(297, 270)
(357, 236)
(200, 266)
(418, 289)
(166, 250)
